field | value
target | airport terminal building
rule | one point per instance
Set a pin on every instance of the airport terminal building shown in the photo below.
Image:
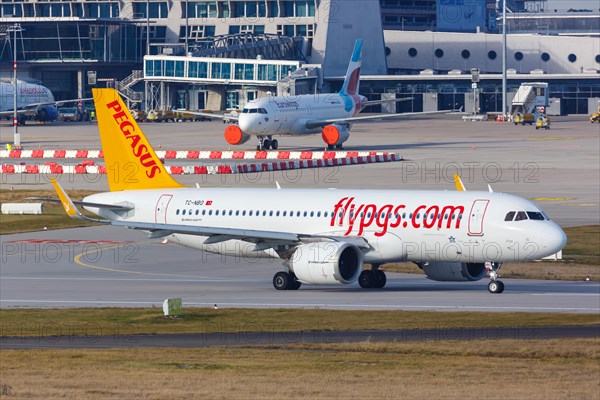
(220, 54)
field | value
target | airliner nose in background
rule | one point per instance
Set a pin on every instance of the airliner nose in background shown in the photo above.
(322, 236)
(330, 114)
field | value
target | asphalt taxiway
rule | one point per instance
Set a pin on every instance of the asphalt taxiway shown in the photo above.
(109, 266)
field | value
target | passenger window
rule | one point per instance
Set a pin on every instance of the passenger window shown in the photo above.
(177, 212)
(264, 213)
(244, 213)
(312, 214)
(270, 213)
(536, 216)
(230, 213)
(305, 213)
(197, 212)
(217, 212)
(182, 212)
(277, 214)
(250, 214)
(203, 212)
(326, 214)
(510, 216)
(319, 214)
(237, 213)
(521, 216)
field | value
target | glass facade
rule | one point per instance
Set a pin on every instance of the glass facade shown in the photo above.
(216, 69)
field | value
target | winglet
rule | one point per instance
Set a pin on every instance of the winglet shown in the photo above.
(70, 208)
(459, 185)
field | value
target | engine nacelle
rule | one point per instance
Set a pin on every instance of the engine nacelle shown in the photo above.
(454, 272)
(335, 135)
(327, 262)
(46, 113)
(234, 135)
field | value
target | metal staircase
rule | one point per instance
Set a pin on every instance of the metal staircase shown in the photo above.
(124, 87)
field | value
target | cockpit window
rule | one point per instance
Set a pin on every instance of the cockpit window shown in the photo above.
(536, 216)
(262, 111)
(510, 216)
(521, 215)
(245, 111)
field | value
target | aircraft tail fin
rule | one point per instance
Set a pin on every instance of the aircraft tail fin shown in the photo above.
(131, 163)
(352, 81)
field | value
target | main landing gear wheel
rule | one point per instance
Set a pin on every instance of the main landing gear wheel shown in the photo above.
(286, 281)
(496, 287)
(372, 279)
(274, 144)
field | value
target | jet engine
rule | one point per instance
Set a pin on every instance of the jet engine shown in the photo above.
(454, 272)
(234, 135)
(46, 113)
(335, 135)
(327, 262)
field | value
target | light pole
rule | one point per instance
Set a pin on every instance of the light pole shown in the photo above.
(503, 60)
(474, 80)
(16, 136)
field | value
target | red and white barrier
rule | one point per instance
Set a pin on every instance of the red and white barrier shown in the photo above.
(88, 167)
(197, 154)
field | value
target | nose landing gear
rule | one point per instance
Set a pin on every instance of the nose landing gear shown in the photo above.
(495, 286)
(266, 143)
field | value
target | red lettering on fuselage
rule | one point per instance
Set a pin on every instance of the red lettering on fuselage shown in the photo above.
(361, 217)
(140, 151)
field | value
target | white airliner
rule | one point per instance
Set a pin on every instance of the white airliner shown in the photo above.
(322, 236)
(330, 114)
(33, 100)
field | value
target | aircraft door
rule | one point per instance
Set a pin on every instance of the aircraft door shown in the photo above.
(476, 217)
(160, 214)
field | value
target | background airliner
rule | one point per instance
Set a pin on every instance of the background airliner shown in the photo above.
(322, 236)
(330, 114)
(33, 100)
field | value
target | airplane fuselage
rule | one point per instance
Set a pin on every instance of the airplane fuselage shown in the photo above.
(420, 226)
(27, 93)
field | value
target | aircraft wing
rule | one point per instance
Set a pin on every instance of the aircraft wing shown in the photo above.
(376, 102)
(263, 239)
(311, 124)
(31, 107)
(21, 111)
(212, 116)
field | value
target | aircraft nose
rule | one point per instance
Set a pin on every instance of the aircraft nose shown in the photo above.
(554, 239)
(245, 123)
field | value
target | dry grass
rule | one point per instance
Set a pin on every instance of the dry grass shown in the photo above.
(548, 369)
(110, 321)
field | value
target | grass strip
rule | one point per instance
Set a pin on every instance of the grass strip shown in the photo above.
(114, 321)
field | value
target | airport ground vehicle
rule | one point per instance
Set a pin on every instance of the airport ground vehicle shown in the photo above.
(595, 117)
(70, 114)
